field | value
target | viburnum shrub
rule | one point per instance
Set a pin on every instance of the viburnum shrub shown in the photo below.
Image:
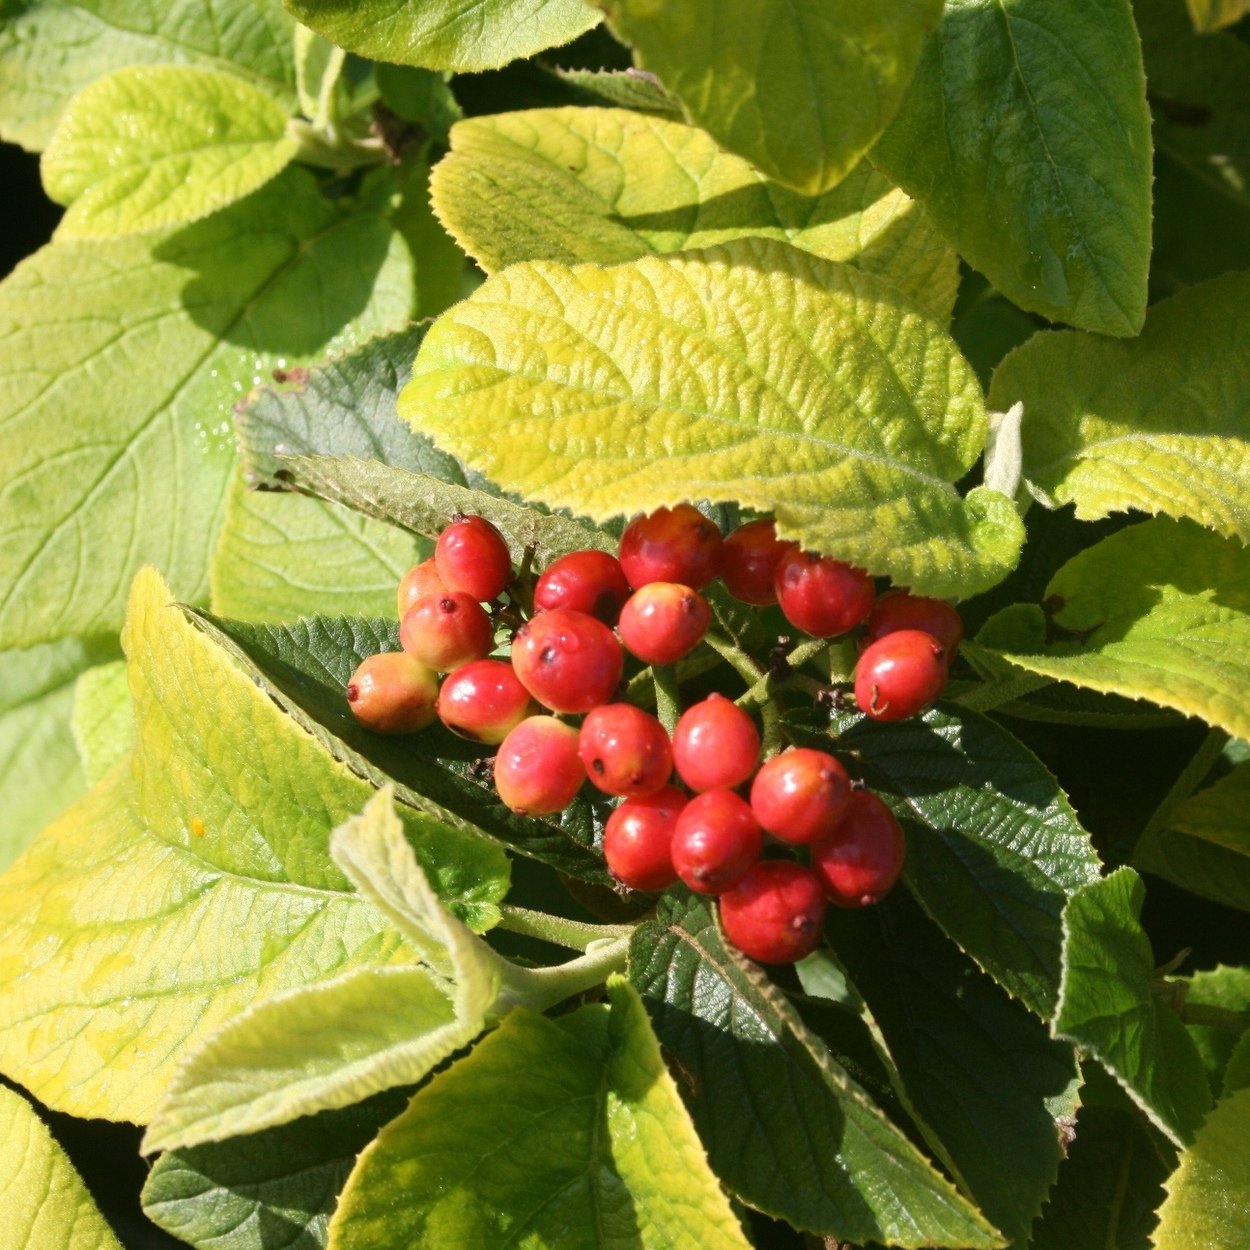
(627, 625)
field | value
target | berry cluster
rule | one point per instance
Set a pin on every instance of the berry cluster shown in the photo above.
(567, 658)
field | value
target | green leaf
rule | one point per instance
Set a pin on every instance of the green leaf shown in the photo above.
(155, 146)
(446, 34)
(1026, 136)
(1208, 15)
(1208, 1202)
(419, 95)
(800, 88)
(102, 722)
(318, 69)
(1237, 1071)
(1108, 1008)
(1158, 611)
(108, 465)
(1155, 424)
(587, 1138)
(750, 373)
(785, 1127)
(50, 49)
(45, 1203)
(560, 184)
(626, 89)
(1227, 990)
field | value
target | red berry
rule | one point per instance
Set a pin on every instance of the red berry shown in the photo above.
(820, 595)
(900, 610)
(751, 555)
(625, 750)
(776, 913)
(445, 631)
(663, 622)
(586, 581)
(567, 660)
(392, 693)
(715, 842)
(537, 769)
(715, 745)
(473, 558)
(899, 674)
(863, 858)
(671, 545)
(800, 795)
(638, 836)
(419, 581)
(483, 701)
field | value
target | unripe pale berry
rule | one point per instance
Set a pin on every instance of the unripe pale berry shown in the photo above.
(776, 913)
(445, 631)
(800, 795)
(537, 769)
(751, 556)
(420, 581)
(715, 842)
(586, 581)
(862, 859)
(625, 750)
(899, 674)
(663, 622)
(473, 558)
(638, 836)
(715, 745)
(671, 545)
(567, 660)
(822, 596)
(483, 701)
(392, 693)
(900, 610)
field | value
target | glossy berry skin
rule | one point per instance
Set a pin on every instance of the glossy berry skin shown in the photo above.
(567, 660)
(392, 693)
(586, 581)
(800, 795)
(671, 545)
(715, 842)
(537, 768)
(776, 913)
(420, 580)
(715, 745)
(445, 631)
(663, 622)
(483, 701)
(625, 750)
(861, 861)
(638, 836)
(751, 556)
(900, 610)
(473, 559)
(822, 596)
(899, 674)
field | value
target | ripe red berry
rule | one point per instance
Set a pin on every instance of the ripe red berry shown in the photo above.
(800, 795)
(567, 660)
(445, 631)
(392, 693)
(751, 556)
(671, 545)
(899, 674)
(820, 595)
(625, 750)
(663, 622)
(715, 745)
(586, 581)
(483, 701)
(864, 856)
(637, 839)
(776, 913)
(715, 842)
(473, 558)
(537, 768)
(901, 610)
(420, 580)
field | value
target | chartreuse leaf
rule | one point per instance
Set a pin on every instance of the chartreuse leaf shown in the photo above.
(752, 373)
(50, 49)
(44, 1201)
(800, 88)
(1157, 611)
(1108, 1008)
(102, 722)
(1209, 15)
(566, 1131)
(559, 184)
(1158, 423)
(107, 464)
(1026, 136)
(1208, 1202)
(446, 34)
(786, 1129)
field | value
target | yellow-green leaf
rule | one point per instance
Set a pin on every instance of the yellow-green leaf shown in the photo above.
(102, 722)
(1209, 15)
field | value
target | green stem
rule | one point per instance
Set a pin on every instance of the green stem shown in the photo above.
(575, 934)
(1215, 1017)
(540, 988)
(332, 148)
(667, 699)
(1191, 777)
(763, 688)
(738, 660)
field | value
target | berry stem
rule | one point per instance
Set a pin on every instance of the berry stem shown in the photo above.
(762, 689)
(746, 668)
(575, 934)
(667, 699)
